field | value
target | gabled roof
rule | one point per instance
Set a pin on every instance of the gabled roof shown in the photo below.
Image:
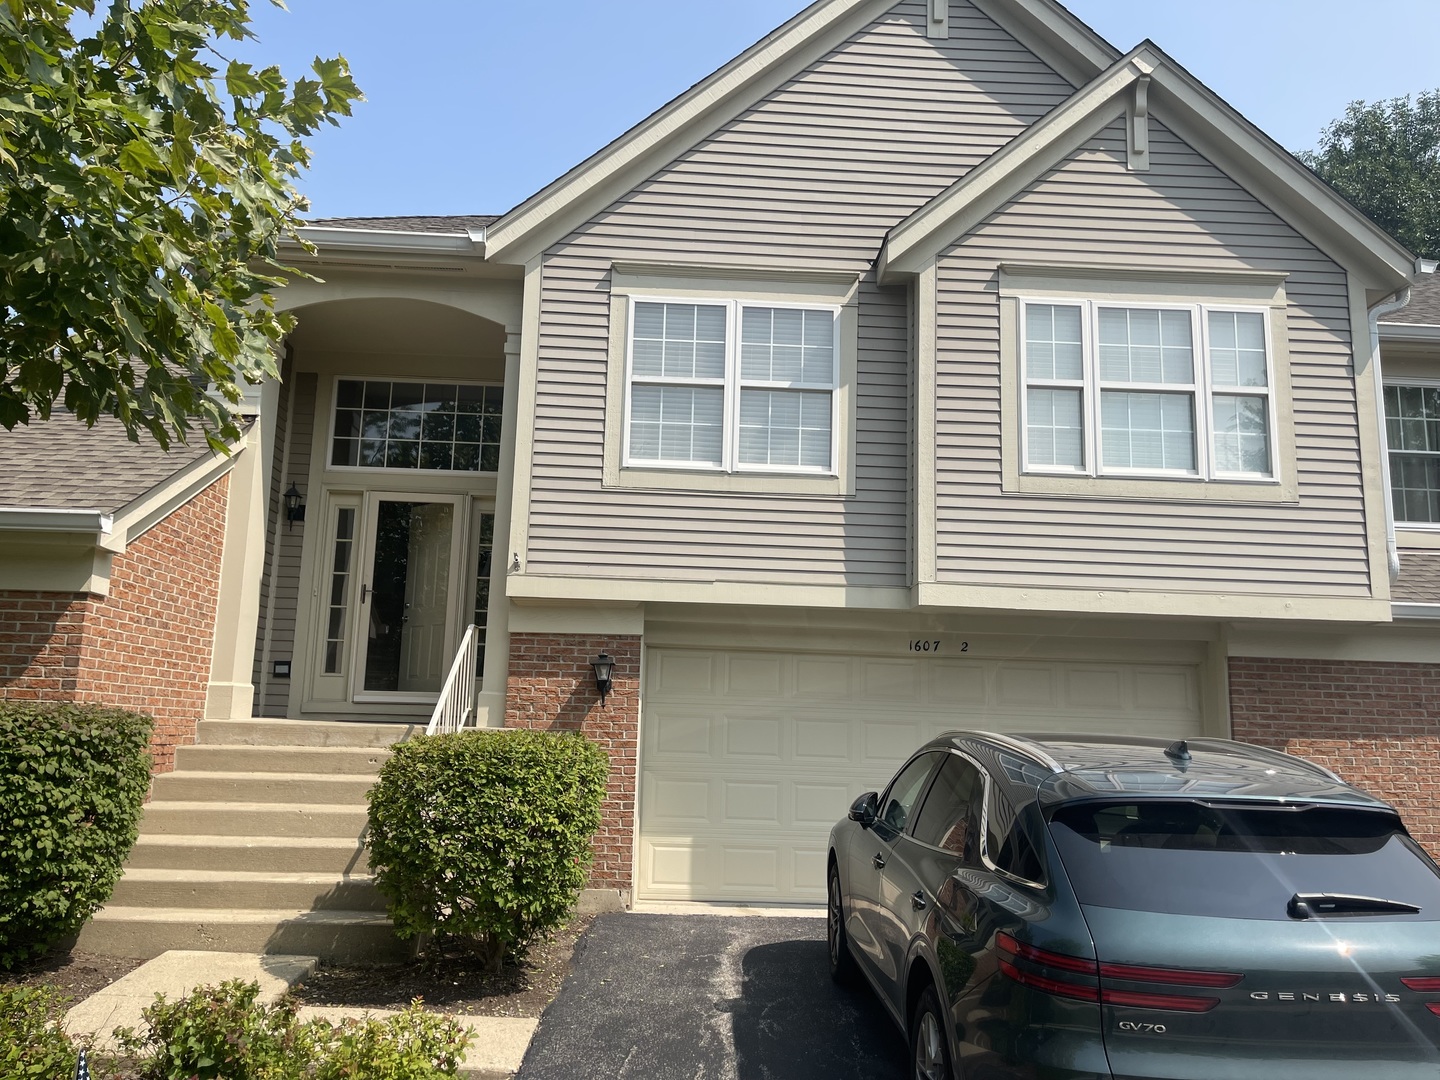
(1197, 115)
(60, 464)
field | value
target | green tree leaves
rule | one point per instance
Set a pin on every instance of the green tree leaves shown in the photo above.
(146, 182)
(1385, 158)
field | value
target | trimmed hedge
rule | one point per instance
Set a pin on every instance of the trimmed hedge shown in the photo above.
(486, 834)
(73, 780)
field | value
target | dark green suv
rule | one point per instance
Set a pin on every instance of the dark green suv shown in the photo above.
(1058, 906)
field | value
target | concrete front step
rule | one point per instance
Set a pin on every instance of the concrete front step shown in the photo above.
(303, 733)
(254, 787)
(339, 936)
(340, 760)
(239, 889)
(334, 855)
(194, 818)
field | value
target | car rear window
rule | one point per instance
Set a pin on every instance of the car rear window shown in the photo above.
(1193, 858)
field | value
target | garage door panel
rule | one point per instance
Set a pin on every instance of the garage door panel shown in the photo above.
(753, 737)
(749, 757)
(820, 742)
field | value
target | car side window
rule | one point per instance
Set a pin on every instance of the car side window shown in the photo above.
(904, 791)
(950, 816)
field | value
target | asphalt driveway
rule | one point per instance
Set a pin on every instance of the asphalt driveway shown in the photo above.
(656, 997)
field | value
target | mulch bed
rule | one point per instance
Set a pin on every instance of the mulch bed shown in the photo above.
(449, 977)
(76, 975)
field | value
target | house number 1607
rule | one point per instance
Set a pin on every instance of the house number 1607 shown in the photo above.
(933, 646)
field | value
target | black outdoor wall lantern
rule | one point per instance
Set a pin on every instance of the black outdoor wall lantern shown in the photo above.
(604, 666)
(294, 508)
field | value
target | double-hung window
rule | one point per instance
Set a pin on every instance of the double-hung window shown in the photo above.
(732, 386)
(1147, 390)
(1412, 429)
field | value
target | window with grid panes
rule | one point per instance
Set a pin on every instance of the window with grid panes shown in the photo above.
(1132, 390)
(732, 386)
(404, 424)
(1412, 431)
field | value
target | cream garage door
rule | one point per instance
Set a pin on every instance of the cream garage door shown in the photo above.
(749, 757)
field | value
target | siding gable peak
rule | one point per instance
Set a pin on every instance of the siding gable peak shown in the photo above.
(1143, 82)
(1044, 27)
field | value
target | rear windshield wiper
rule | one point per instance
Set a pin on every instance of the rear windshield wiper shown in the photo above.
(1316, 905)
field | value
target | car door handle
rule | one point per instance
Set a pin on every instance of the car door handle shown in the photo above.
(918, 900)
(879, 860)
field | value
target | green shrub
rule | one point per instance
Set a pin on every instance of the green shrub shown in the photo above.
(224, 1033)
(72, 782)
(486, 834)
(32, 1042)
(217, 1033)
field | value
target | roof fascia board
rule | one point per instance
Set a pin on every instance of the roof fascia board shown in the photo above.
(561, 206)
(1409, 331)
(162, 500)
(916, 241)
(1076, 52)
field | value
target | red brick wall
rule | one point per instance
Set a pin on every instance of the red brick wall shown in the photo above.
(1376, 724)
(146, 646)
(41, 635)
(552, 687)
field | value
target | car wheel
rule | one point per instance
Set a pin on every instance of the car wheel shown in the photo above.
(929, 1048)
(842, 964)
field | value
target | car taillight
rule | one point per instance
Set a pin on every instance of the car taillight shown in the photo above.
(1425, 985)
(1013, 953)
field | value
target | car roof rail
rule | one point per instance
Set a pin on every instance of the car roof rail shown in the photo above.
(1034, 751)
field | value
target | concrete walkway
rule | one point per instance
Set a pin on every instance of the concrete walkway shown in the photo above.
(498, 1043)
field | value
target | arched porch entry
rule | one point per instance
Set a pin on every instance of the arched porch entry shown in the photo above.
(393, 447)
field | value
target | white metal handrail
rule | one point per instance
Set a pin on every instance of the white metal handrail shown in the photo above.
(456, 708)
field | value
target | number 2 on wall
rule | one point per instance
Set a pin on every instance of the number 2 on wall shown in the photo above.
(933, 646)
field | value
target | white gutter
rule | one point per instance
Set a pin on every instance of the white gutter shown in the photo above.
(39, 519)
(1378, 312)
(1416, 611)
(470, 242)
(1394, 331)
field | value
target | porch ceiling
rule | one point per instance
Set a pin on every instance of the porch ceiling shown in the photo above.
(409, 327)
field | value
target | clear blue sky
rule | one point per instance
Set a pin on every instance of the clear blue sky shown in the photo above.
(475, 104)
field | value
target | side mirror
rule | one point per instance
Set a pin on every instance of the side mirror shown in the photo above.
(865, 809)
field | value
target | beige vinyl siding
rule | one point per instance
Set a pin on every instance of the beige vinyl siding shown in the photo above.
(280, 624)
(1182, 214)
(810, 178)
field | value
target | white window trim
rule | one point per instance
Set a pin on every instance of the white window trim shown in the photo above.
(371, 470)
(691, 284)
(1134, 287)
(1428, 527)
(1202, 391)
(732, 385)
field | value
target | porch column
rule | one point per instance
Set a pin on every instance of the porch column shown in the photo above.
(231, 694)
(490, 704)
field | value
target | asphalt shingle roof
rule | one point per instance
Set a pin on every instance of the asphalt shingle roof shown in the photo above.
(60, 464)
(455, 224)
(1424, 306)
(1419, 581)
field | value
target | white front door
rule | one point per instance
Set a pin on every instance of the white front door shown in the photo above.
(410, 590)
